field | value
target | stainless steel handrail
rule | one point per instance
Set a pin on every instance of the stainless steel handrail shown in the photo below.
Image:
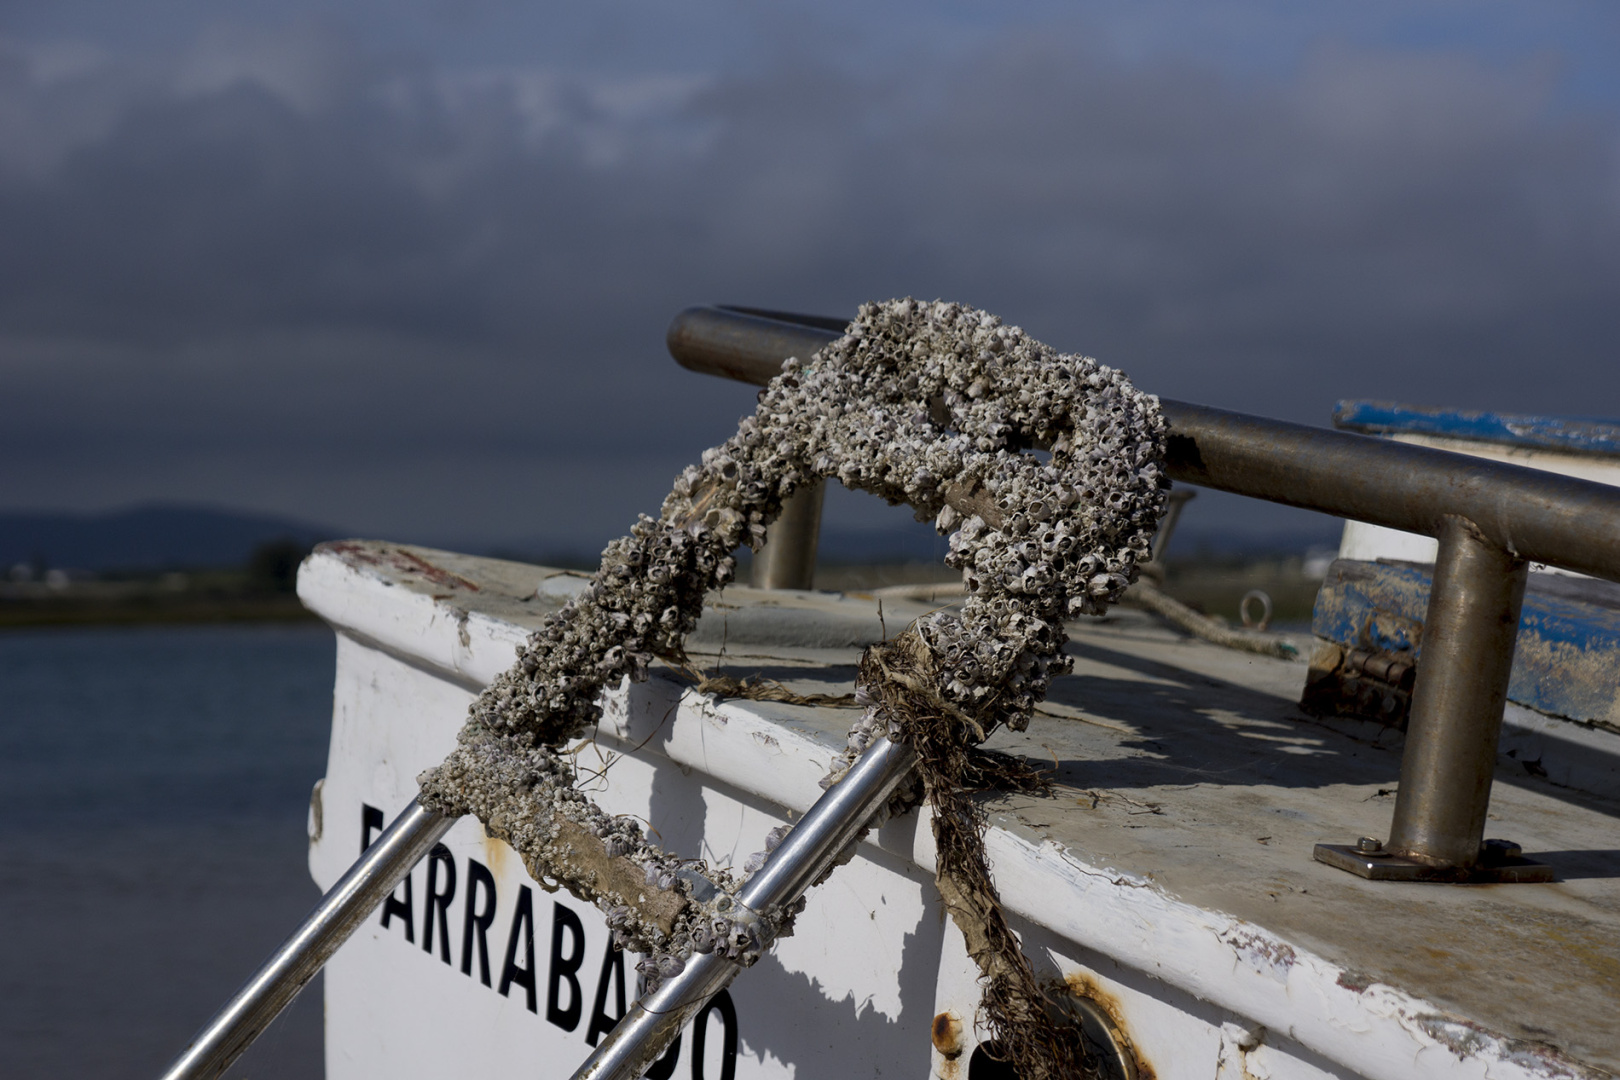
(1489, 518)
(1537, 515)
(344, 907)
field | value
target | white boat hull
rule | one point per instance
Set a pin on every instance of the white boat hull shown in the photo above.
(1195, 989)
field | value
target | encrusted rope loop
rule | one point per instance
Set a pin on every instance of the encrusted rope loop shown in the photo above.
(1044, 470)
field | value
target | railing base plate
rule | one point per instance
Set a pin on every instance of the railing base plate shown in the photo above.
(1383, 866)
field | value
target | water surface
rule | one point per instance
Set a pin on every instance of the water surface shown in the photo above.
(154, 787)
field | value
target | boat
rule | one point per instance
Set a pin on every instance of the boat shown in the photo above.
(1215, 883)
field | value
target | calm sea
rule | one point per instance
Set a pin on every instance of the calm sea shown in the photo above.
(154, 786)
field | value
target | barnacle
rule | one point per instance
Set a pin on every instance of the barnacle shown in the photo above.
(935, 405)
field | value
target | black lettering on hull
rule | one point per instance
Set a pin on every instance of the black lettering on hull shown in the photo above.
(720, 1003)
(440, 861)
(565, 996)
(395, 905)
(511, 972)
(565, 969)
(476, 921)
(371, 820)
(601, 1022)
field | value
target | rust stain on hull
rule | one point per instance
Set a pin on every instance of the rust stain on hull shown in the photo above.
(1083, 986)
(947, 1035)
(947, 1039)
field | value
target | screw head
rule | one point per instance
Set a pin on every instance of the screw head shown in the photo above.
(1369, 845)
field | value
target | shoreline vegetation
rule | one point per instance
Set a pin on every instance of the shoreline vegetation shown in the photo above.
(263, 590)
(136, 605)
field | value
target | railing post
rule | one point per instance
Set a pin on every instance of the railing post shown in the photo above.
(788, 559)
(1455, 724)
(1457, 701)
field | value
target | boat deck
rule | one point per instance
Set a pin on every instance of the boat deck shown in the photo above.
(1175, 846)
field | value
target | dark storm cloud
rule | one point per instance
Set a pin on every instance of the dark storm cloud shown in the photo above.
(281, 270)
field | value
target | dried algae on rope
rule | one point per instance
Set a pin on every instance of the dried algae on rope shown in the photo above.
(932, 405)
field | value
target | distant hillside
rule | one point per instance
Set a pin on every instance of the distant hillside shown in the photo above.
(152, 537)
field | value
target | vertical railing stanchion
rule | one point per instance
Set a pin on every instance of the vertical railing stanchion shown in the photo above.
(1456, 722)
(1457, 701)
(788, 559)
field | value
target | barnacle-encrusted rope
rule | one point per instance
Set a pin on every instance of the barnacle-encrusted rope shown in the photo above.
(933, 405)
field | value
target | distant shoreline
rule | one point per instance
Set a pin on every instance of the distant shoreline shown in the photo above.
(1213, 587)
(71, 611)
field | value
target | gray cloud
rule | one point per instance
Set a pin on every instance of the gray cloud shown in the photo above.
(283, 270)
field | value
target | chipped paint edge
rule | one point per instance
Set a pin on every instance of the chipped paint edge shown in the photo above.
(363, 601)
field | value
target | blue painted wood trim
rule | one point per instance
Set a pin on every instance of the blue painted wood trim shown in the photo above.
(1567, 662)
(1573, 434)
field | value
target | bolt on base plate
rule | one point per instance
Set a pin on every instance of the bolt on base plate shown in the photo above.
(1500, 863)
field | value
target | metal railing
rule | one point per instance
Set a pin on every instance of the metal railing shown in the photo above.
(1490, 520)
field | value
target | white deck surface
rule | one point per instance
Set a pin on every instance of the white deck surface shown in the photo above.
(1170, 869)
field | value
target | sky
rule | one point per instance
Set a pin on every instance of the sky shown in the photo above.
(405, 268)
